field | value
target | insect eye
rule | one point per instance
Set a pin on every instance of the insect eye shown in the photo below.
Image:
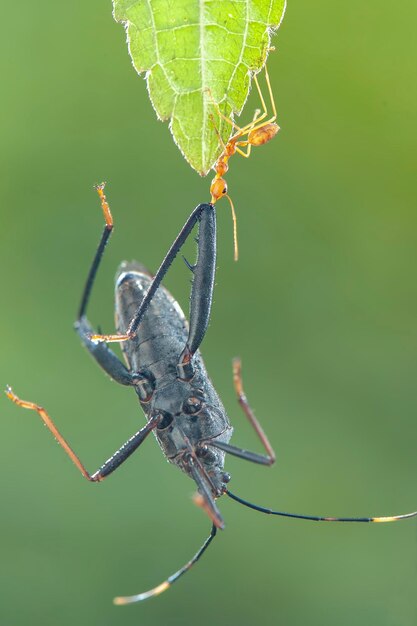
(192, 405)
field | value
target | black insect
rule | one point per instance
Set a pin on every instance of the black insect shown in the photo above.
(167, 372)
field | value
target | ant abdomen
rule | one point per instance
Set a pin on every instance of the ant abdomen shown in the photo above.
(259, 136)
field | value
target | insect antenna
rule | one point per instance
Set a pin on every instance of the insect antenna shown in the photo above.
(314, 518)
(172, 579)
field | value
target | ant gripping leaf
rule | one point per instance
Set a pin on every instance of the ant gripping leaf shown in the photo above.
(200, 47)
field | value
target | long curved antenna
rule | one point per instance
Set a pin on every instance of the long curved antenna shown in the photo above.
(172, 579)
(314, 518)
(235, 244)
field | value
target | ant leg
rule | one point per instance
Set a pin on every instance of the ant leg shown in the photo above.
(112, 463)
(239, 131)
(269, 458)
(100, 352)
(244, 130)
(247, 143)
(271, 95)
(216, 130)
(261, 97)
(274, 110)
(204, 213)
(246, 154)
(256, 122)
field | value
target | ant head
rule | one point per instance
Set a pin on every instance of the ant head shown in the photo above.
(218, 189)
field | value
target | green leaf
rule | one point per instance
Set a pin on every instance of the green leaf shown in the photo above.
(195, 52)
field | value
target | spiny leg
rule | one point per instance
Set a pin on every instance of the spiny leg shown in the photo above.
(201, 288)
(172, 579)
(112, 463)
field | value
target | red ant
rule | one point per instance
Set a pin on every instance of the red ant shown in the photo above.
(257, 132)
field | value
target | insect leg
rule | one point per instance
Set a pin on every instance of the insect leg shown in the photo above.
(262, 459)
(241, 398)
(259, 122)
(205, 213)
(126, 450)
(108, 228)
(100, 352)
(112, 463)
(105, 357)
(240, 452)
(205, 491)
(203, 280)
(201, 292)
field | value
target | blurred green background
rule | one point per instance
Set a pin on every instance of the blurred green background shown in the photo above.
(322, 308)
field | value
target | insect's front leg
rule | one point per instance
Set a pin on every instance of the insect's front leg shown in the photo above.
(203, 280)
(201, 289)
(112, 463)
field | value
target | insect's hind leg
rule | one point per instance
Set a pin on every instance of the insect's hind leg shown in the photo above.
(100, 352)
(269, 458)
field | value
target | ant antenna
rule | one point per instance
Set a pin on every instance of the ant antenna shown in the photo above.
(235, 243)
(314, 518)
(171, 580)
